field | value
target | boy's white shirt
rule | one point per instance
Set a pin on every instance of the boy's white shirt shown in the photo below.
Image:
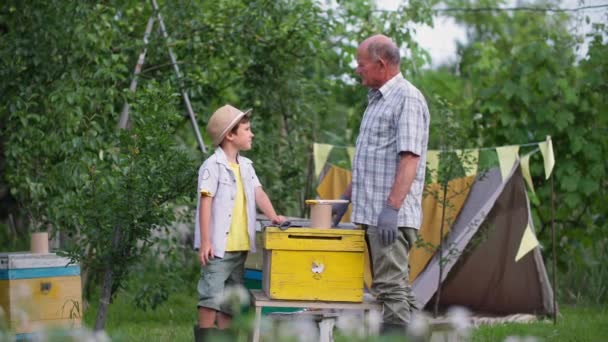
(216, 177)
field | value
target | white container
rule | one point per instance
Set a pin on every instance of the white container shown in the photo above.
(39, 243)
(320, 212)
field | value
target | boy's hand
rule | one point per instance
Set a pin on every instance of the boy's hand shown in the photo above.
(205, 253)
(279, 219)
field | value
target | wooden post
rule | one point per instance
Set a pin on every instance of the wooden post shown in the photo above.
(554, 251)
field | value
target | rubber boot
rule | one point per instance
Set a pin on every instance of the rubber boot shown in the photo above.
(203, 334)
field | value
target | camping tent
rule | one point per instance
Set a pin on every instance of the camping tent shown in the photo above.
(481, 272)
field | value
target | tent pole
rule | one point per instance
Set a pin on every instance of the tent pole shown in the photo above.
(554, 249)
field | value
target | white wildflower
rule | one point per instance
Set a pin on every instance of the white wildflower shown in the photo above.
(374, 321)
(460, 318)
(350, 325)
(419, 325)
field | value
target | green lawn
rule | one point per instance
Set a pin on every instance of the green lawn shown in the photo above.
(173, 321)
(573, 324)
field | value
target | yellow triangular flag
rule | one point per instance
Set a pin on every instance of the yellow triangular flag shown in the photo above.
(528, 243)
(470, 161)
(546, 148)
(432, 164)
(525, 170)
(506, 158)
(320, 153)
(351, 153)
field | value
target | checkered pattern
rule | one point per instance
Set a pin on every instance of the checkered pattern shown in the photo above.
(396, 120)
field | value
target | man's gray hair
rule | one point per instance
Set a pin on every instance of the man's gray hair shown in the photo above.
(385, 50)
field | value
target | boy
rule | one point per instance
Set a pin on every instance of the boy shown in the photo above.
(225, 214)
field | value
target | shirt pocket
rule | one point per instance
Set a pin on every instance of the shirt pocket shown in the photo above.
(382, 125)
(226, 187)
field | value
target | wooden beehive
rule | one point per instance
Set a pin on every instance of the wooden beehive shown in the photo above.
(39, 291)
(313, 264)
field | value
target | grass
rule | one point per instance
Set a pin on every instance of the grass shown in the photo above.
(573, 324)
(173, 321)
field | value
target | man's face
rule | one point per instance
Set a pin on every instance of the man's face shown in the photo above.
(370, 71)
(243, 137)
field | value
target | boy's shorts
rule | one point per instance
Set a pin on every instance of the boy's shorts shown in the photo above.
(217, 275)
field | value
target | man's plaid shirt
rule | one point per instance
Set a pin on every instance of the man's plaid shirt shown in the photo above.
(396, 120)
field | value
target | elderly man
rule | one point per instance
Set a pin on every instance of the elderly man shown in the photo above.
(388, 174)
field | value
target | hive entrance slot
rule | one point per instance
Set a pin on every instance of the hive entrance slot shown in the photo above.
(314, 237)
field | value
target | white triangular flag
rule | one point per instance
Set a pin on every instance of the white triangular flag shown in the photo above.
(525, 170)
(320, 153)
(506, 158)
(528, 243)
(432, 164)
(351, 154)
(546, 148)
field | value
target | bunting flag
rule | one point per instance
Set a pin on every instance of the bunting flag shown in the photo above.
(507, 155)
(320, 153)
(432, 164)
(470, 162)
(546, 148)
(351, 153)
(525, 170)
(528, 243)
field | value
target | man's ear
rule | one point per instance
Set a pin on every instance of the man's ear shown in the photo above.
(382, 63)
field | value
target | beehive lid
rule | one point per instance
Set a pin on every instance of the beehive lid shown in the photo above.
(22, 260)
(314, 239)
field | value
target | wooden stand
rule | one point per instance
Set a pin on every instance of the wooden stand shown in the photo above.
(260, 300)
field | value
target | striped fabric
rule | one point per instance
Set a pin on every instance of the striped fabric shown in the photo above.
(396, 120)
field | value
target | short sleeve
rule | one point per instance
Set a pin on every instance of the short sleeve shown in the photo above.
(411, 125)
(207, 179)
(254, 179)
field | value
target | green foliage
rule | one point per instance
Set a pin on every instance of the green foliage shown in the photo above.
(127, 186)
(61, 92)
(9, 241)
(583, 279)
(176, 263)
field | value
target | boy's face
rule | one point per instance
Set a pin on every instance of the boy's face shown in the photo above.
(243, 137)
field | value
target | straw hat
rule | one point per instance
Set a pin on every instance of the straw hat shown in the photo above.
(223, 120)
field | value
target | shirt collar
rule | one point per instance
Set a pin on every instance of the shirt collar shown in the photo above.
(390, 84)
(386, 88)
(221, 157)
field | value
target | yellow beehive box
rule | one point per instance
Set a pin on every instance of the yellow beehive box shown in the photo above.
(313, 264)
(39, 291)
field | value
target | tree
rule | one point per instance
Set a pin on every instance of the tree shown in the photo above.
(65, 157)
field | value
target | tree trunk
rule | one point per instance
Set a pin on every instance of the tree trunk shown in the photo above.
(108, 282)
(104, 300)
